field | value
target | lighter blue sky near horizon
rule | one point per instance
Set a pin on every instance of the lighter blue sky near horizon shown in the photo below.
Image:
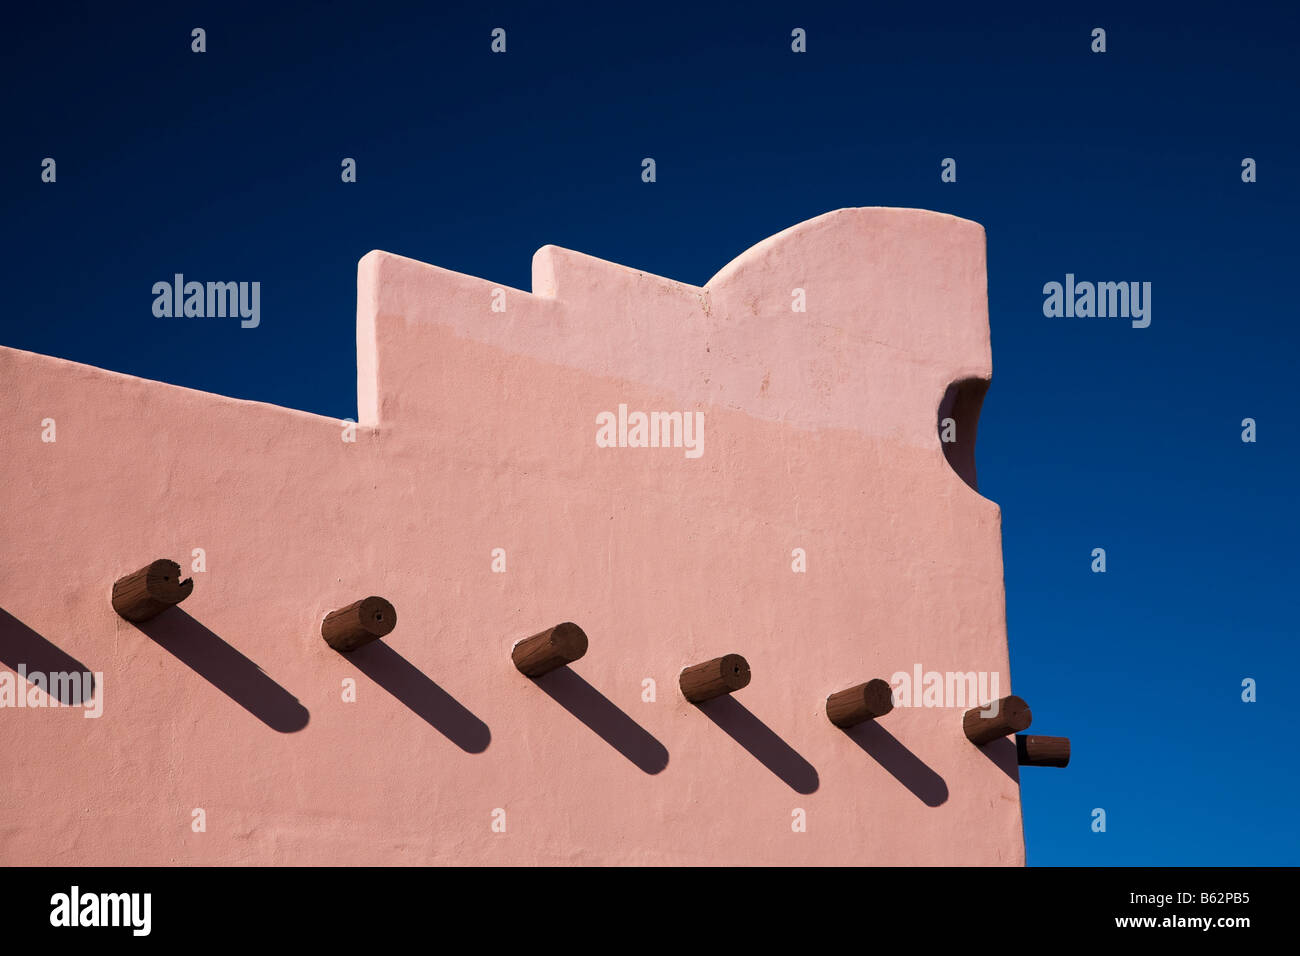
(1117, 166)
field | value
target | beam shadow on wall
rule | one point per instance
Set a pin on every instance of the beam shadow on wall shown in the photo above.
(1002, 753)
(761, 741)
(395, 674)
(903, 765)
(604, 717)
(226, 669)
(19, 644)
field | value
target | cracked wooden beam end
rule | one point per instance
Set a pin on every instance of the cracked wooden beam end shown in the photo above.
(150, 591)
(554, 647)
(1035, 751)
(858, 704)
(722, 675)
(1006, 716)
(358, 624)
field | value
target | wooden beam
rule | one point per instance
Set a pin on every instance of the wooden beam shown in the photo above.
(1034, 751)
(358, 624)
(1009, 715)
(552, 648)
(722, 675)
(150, 591)
(864, 702)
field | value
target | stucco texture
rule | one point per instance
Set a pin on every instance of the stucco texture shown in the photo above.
(477, 431)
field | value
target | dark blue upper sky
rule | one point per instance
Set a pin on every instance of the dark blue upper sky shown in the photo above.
(1117, 166)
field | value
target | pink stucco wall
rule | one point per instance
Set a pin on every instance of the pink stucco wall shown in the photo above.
(478, 432)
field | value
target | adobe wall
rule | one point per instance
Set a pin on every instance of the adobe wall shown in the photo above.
(478, 431)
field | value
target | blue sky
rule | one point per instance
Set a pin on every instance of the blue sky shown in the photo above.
(1117, 166)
